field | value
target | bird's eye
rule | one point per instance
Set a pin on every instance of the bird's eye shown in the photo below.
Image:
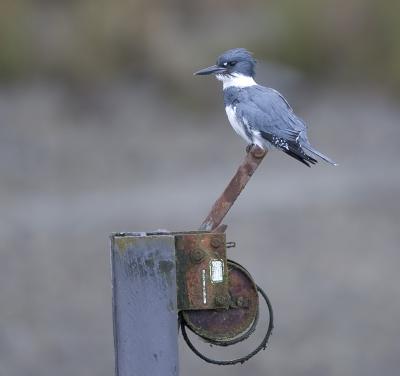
(232, 63)
(225, 64)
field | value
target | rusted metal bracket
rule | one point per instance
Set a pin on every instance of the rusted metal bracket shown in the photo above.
(217, 298)
(186, 272)
(253, 158)
(201, 271)
(229, 326)
(201, 257)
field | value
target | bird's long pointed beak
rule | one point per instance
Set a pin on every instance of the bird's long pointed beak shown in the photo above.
(214, 69)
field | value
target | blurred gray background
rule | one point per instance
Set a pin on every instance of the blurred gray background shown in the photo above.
(103, 128)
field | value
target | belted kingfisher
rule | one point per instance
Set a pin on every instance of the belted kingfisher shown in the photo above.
(260, 115)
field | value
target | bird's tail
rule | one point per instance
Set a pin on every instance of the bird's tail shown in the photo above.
(319, 154)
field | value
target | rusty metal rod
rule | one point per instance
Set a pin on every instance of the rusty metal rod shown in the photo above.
(243, 174)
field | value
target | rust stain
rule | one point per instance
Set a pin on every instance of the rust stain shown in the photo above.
(122, 243)
(194, 254)
(243, 174)
(226, 324)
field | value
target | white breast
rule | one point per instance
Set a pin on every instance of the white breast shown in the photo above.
(237, 125)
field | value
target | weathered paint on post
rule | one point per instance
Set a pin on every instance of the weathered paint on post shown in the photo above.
(144, 305)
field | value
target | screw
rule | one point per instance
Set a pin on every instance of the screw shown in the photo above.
(221, 300)
(215, 242)
(197, 255)
(258, 152)
(242, 302)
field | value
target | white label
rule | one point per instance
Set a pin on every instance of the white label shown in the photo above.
(216, 271)
(203, 276)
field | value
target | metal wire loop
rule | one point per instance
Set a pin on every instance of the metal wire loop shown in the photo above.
(241, 360)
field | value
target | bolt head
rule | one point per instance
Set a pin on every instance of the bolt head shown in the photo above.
(258, 152)
(242, 302)
(215, 242)
(197, 255)
(221, 300)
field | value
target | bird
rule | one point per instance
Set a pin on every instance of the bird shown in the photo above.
(260, 115)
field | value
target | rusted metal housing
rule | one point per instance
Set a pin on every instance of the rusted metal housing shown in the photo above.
(158, 274)
(218, 298)
(202, 276)
(223, 326)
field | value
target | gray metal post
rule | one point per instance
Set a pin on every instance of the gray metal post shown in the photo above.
(144, 305)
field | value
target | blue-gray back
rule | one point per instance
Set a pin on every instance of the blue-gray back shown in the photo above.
(266, 110)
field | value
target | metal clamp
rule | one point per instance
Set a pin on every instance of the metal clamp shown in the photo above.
(201, 269)
(217, 298)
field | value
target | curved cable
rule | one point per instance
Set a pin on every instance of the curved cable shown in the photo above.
(261, 346)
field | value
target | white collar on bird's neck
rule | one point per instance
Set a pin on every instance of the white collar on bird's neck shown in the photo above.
(237, 80)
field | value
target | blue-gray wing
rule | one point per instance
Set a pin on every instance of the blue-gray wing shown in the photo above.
(267, 110)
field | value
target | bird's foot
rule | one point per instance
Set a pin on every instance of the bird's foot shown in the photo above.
(248, 147)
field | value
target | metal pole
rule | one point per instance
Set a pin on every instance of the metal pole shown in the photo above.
(144, 305)
(243, 174)
(145, 291)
